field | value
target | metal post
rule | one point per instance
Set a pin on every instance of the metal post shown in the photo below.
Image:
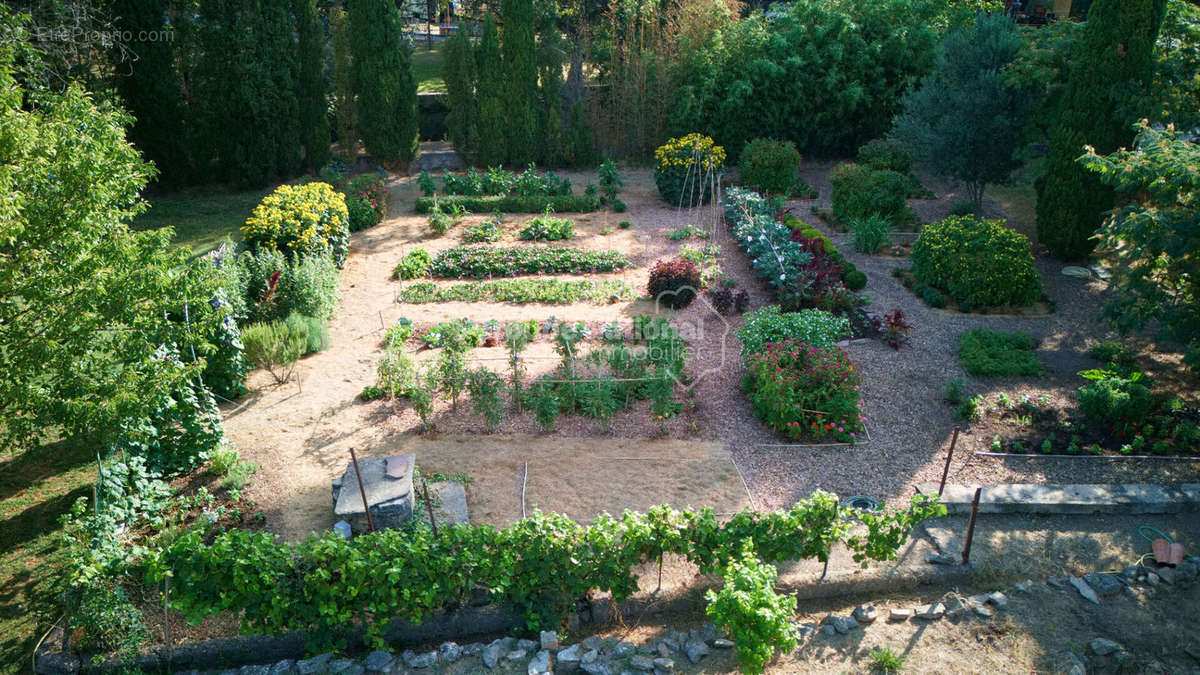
(946, 470)
(363, 491)
(971, 527)
(429, 508)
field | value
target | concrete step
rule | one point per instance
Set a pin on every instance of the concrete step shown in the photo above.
(1032, 498)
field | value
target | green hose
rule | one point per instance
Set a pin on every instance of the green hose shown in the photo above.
(1147, 527)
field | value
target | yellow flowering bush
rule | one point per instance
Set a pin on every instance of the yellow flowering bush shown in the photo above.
(979, 263)
(686, 169)
(301, 219)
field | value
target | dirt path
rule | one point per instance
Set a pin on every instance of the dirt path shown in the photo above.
(299, 433)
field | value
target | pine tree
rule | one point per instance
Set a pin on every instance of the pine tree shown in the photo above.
(492, 114)
(459, 75)
(343, 88)
(150, 87)
(383, 81)
(310, 87)
(520, 81)
(1113, 59)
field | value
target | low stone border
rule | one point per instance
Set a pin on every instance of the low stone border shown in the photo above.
(1032, 498)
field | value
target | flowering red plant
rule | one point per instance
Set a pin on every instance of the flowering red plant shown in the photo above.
(895, 328)
(805, 391)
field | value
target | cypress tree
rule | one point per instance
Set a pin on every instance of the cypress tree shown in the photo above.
(150, 87)
(343, 88)
(310, 87)
(459, 75)
(520, 81)
(580, 147)
(278, 55)
(550, 56)
(1112, 60)
(492, 115)
(383, 81)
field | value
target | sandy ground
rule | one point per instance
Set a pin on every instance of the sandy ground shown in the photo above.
(299, 433)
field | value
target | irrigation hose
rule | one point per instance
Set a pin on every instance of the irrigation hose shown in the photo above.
(1160, 534)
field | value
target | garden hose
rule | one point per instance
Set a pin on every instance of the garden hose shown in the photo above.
(1160, 534)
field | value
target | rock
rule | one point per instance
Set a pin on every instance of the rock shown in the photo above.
(666, 665)
(316, 664)
(284, 666)
(642, 663)
(695, 650)
(662, 649)
(828, 631)
(1153, 579)
(997, 600)
(671, 643)
(647, 649)
(1072, 664)
(828, 619)
(806, 630)
(1077, 272)
(844, 625)
(527, 645)
(1122, 660)
(592, 664)
(1085, 590)
(941, 559)
(254, 670)
(708, 633)
(343, 667)
(379, 661)
(1187, 571)
(1167, 574)
(1154, 667)
(567, 660)
(623, 649)
(1131, 572)
(540, 665)
(492, 654)
(1193, 651)
(895, 614)
(415, 660)
(593, 642)
(930, 612)
(1060, 584)
(865, 614)
(722, 643)
(516, 655)
(1023, 586)
(450, 652)
(472, 649)
(1105, 585)
(982, 611)
(1104, 646)
(549, 640)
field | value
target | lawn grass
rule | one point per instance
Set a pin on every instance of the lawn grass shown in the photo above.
(36, 488)
(986, 353)
(427, 68)
(202, 219)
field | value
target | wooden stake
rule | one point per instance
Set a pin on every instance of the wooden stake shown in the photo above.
(971, 527)
(946, 470)
(429, 508)
(363, 491)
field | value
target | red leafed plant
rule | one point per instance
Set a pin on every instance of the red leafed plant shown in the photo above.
(895, 328)
(268, 295)
(674, 282)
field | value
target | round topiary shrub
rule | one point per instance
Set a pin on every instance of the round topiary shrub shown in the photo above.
(855, 280)
(882, 155)
(301, 219)
(688, 169)
(860, 191)
(980, 262)
(768, 165)
(674, 282)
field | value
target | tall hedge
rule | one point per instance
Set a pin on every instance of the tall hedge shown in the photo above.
(383, 81)
(492, 114)
(458, 71)
(343, 87)
(520, 81)
(310, 84)
(1113, 59)
(150, 87)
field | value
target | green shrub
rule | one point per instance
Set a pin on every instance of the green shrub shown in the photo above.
(513, 204)
(749, 610)
(855, 280)
(962, 207)
(413, 265)
(307, 284)
(301, 219)
(1120, 402)
(239, 474)
(811, 326)
(885, 661)
(687, 169)
(274, 346)
(984, 352)
(398, 334)
(933, 297)
(767, 165)
(953, 391)
(481, 261)
(223, 460)
(1115, 354)
(881, 155)
(624, 224)
(487, 232)
(870, 233)
(315, 331)
(108, 620)
(547, 228)
(366, 201)
(861, 191)
(618, 206)
(443, 216)
(802, 390)
(982, 262)
(521, 291)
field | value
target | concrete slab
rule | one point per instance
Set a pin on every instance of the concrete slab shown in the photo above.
(1032, 498)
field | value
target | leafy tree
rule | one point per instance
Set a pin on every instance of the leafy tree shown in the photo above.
(310, 84)
(1155, 238)
(963, 122)
(150, 87)
(459, 75)
(383, 81)
(343, 89)
(1112, 61)
(492, 113)
(520, 88)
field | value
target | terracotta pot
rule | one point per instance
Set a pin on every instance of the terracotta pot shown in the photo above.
(1161, 548)
(1175, 554)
